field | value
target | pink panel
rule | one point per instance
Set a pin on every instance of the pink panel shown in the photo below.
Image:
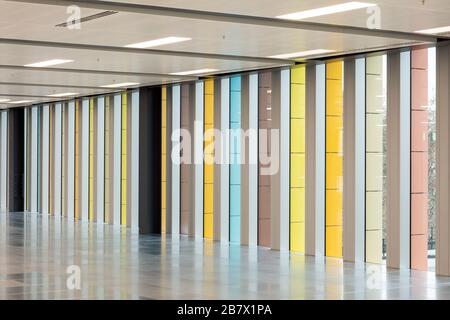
(419, 131)
(419, 252)
(264, 233)
(419, 89)
(419, 59)
(419, 214)
(419, 172)
(264, 202)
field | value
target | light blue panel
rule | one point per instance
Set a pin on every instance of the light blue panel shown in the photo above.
(235, 107)
(235, 200)
(235, 229)
(235, 83)
(235, 173)
(235, 149)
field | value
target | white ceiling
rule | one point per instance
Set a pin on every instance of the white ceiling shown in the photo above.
(30, 21)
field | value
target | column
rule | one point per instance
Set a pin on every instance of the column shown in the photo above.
(315, 160)
(398, 159)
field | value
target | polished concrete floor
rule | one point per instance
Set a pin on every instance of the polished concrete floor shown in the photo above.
(36, 251)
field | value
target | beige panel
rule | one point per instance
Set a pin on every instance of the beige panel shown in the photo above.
(374, 132)
(375, 163)
(374, 208)
(374, 246)
(374, 87)
(374, 65)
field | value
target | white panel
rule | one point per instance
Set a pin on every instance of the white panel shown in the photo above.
(225, 168)
(117, 109)
(198, 158)
(58, 160)
(135, 161)
(84, 173)
(3, 159)
(284, 158)
(45, 158)
(100, 153)
(253, 162)
(71, 161)
(405, 152)
(176, 123)
(360, 103)
(320, 160)
(34, 160)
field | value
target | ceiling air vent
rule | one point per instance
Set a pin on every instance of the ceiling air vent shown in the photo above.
(88, 18)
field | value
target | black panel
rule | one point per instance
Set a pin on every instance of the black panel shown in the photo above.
(16, 159)
(150, 160)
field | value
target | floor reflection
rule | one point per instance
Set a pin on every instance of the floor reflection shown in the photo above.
(115, 263)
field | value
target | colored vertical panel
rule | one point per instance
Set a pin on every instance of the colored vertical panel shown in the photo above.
(91, 159)
(208, 178)
(235, 150)
(51, 157)
(108, 159)
(419, 159)
(124, 161)
(375, 119)
(333, 162)
(186, 195)
(297, 172)
(77, 158)
(264, 181)
(163, 157)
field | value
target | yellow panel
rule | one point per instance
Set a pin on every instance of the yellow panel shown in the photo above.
(209, 87)
(208, 167)
(334, 171)
(124, 159)
(208, 226)
(209, 173)
(298, 74)
(334, 208)
(209, 109)
(163, 140)
(297, 135)
(334, 135)
(298, 237)
(124, 167)
(333, 241)
(334, 70)
(298, 170)
(163, 168)
(164, 93)
(334, 98)
(163, 195)
(209, 198)
(298, 101)
(374, 246)
(297, 204)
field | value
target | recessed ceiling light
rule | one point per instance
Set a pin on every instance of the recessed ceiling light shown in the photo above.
(120, 85)
(348, 6)
(21, 102)
(48, 63)
(435, 30)
(301, 54)
(4, 100)
(157, 42)
(59, 95)
(190, 72)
